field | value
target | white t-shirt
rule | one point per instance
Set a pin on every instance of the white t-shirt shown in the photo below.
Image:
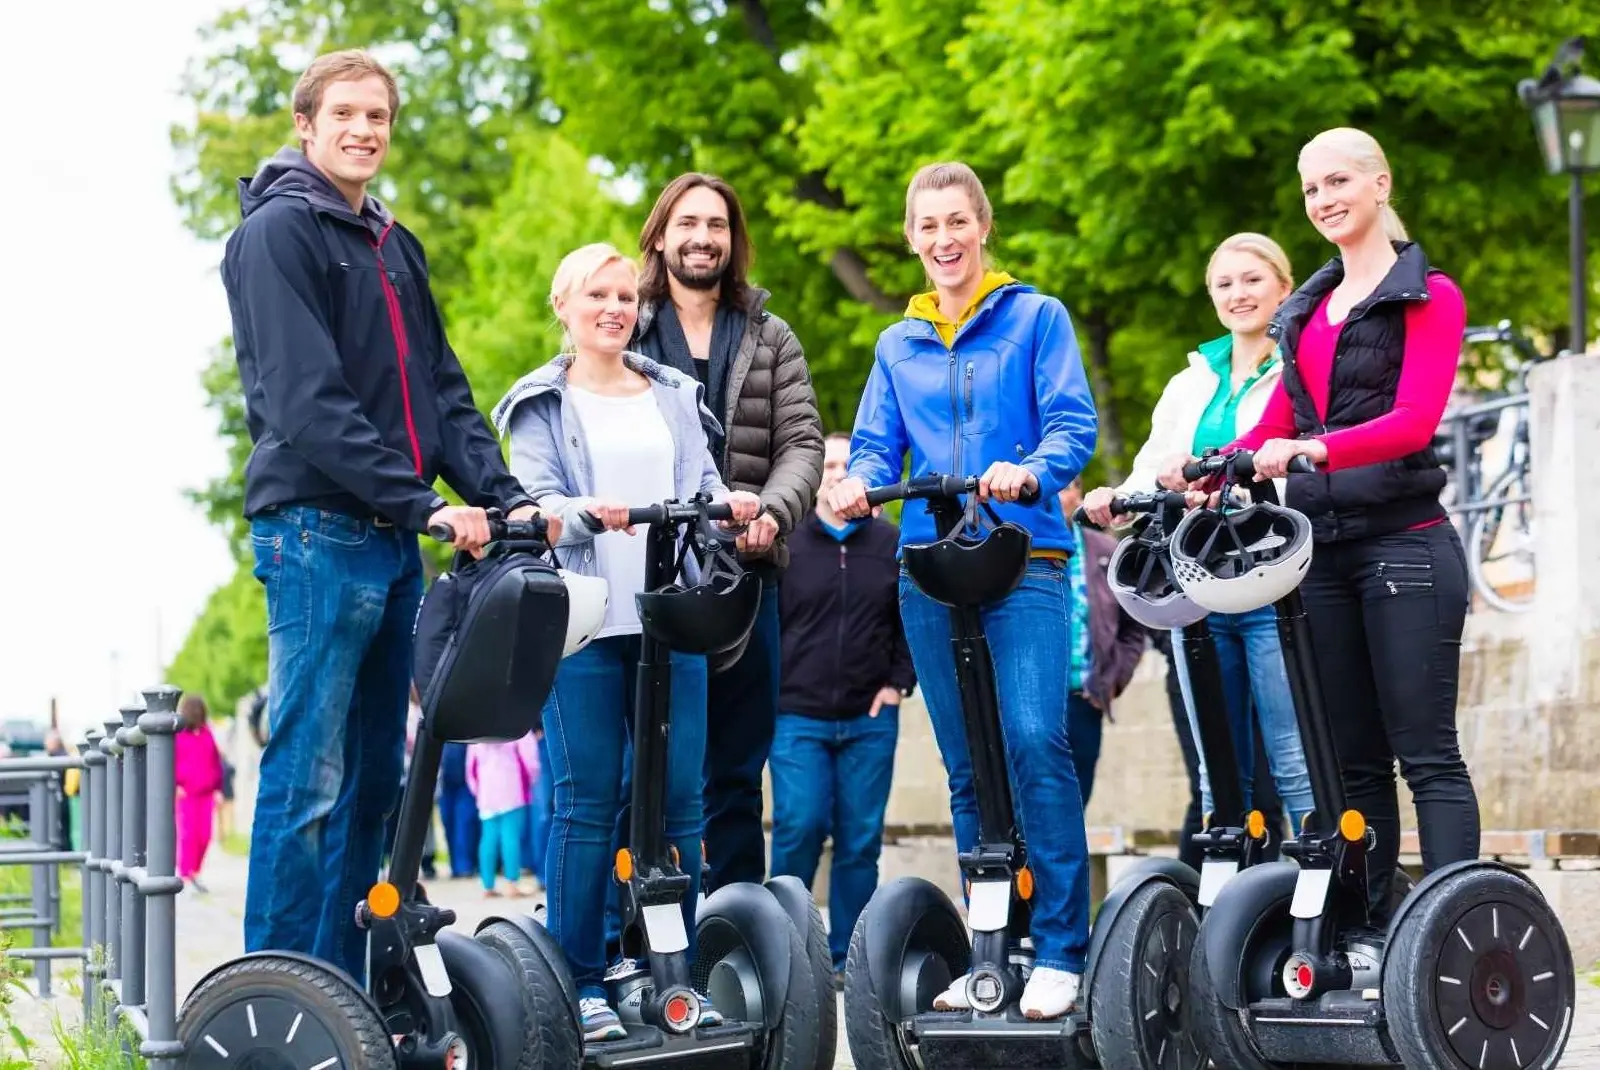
(631, 451)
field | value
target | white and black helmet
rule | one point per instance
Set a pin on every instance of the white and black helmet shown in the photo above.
(1237, 560)
(1142, 578)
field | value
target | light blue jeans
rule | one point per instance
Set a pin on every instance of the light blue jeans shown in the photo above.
(1027, 633)
(1250, 661)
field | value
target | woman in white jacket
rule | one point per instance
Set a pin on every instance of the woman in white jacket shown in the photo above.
(1221, 393)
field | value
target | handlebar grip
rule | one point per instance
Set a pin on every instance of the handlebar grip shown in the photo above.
(1303, 464)
(442, 532)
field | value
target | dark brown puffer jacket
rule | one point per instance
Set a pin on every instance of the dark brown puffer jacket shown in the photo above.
(773, 446)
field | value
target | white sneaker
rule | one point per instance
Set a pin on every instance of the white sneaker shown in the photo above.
(954, 998)
(1050, 993)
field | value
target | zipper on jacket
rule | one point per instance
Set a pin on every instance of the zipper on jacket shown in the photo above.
(955, 415)
(402, 347)
(838, 654)
(968, 389)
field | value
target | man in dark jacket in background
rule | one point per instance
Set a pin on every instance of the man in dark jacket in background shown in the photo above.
(846, 667)
(355, 405)
(1106, 643)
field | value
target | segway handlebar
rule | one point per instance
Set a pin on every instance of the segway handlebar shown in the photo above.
(1127, 505)
(1241, 463)
(928, 487)
(535, 530)
(673, 513)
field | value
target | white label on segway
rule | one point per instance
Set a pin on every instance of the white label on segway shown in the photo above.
(663, 927)
(990, 909)
(1310, 892)
(435, 978)
(1214, 873)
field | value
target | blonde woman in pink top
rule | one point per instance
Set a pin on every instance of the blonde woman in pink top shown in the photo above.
(501, 778)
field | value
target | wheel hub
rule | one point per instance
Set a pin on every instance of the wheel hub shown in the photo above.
(1497, 989)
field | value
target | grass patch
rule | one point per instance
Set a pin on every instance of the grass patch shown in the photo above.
(235, 843)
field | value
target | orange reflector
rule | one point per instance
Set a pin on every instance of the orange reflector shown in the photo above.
(1352, 826)
(383, 900)
(677, 859)
(1025, 883)
(677, 1010)
(624, 865)
(1256, 824)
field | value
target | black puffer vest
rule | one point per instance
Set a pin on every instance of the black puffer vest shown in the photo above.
(1375, 499)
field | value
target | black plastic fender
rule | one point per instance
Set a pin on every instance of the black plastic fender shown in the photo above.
(763, 924)
(896, 911)
(309, 960)
(1228, 925)
(547, 947)
(1138, 875)
(1438, 876)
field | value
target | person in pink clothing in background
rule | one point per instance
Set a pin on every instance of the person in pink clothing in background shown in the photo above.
(501, 778)
(197, 769)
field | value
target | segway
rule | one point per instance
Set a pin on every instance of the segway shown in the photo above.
(436, 999)
(1472, 972)
(749, 957)
(910, 942)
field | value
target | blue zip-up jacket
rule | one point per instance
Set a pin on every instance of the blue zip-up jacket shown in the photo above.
(1011, 388)
(354, 401)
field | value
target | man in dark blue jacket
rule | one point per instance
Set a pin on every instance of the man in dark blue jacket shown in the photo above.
(355, 405)
(846, 667)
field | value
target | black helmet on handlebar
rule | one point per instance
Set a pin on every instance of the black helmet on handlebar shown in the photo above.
(971, 564)
(712, 614)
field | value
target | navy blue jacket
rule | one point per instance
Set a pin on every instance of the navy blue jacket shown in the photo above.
(353, 398)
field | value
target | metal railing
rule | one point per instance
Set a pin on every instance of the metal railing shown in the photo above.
(1466, 429)
(129, 947)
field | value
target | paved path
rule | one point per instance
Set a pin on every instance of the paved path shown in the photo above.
(210, 931)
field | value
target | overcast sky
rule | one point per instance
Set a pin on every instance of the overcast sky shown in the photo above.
(108, 313)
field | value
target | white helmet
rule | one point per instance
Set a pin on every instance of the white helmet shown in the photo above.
(1237, 560)
(1142, 579)
(586, 609)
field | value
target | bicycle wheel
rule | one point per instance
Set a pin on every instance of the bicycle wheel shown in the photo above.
(1500, 545)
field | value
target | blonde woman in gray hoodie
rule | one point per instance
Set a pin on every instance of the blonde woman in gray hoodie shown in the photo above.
(595, 431)
(1220, 394)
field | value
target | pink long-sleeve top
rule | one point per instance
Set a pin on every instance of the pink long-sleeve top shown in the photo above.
(501, 775)
(197, 761)
(1427, 374)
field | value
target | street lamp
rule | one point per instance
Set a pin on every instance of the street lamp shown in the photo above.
(1566, 117)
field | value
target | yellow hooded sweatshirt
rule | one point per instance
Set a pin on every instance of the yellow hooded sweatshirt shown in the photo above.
(926, 306)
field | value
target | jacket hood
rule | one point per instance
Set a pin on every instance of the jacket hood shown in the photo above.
(551, 378)
(290, 174)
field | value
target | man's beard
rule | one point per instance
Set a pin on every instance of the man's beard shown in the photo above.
(706, 278)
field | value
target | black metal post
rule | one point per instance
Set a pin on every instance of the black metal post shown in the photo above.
(652, 721)
(1316, 731)
(416, 810)
(1580, 269)
(1214, 733)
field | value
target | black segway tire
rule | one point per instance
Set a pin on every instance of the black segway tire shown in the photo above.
(489, 1007)
(546, 1001)
(796, 901)
(1479, 974)
(909, 926)
(1140, 1002)
(285, 1009)
(745, 941)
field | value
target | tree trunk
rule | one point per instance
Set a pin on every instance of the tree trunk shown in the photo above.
(1110, 445)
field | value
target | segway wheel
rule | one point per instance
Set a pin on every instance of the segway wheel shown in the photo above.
(752, 962)
(549, 998)
(912, 939)
(489, 1007)
(1220, 1032)
(1479, 975)
(1140, 1002)
(796, 901)
(282, 1012)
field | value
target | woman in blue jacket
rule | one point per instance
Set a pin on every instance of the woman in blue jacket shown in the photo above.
(983, 377)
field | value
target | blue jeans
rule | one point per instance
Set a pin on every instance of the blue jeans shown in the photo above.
(501, 844)
(538, 823)
(1250, 661)
(831, 778)
(586, 726)
(742, 715)
(1085, 732)
(458, 812)
(1027, 633)
(342, 597)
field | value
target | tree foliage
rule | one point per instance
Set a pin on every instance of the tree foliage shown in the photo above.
(1120, 141)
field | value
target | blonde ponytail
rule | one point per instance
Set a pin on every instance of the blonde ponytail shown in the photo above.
(1393, 229)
